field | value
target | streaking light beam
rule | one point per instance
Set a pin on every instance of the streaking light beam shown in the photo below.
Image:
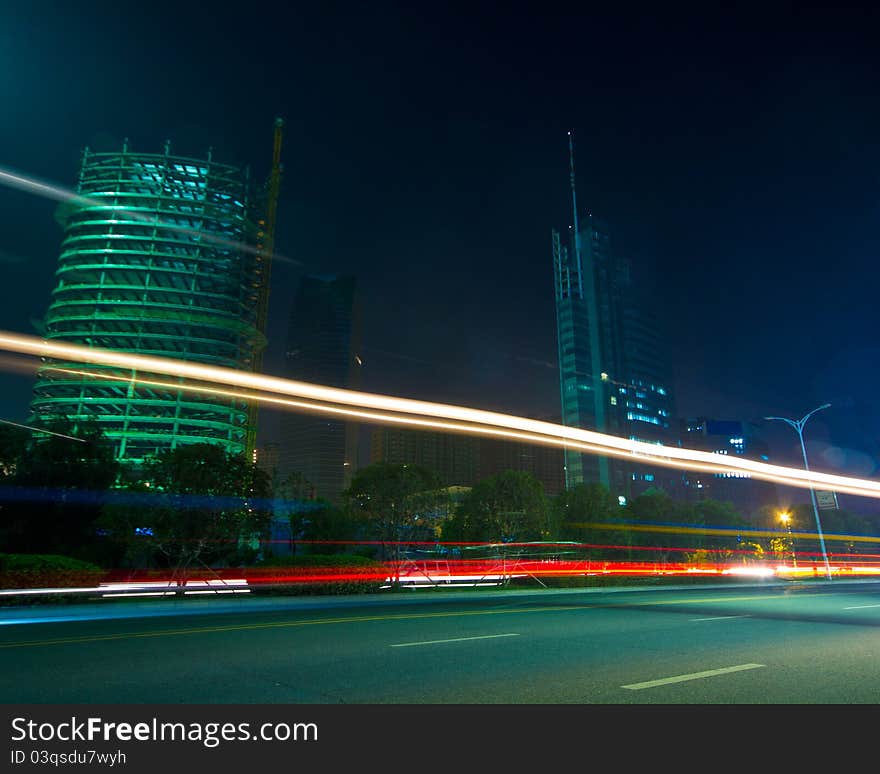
(57, 193)
(426, 414)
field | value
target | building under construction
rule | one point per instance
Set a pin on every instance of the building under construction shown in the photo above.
(169, 256)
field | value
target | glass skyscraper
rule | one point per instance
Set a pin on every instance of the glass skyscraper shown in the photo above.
(588, 338)
(322, 348)
(613, 370)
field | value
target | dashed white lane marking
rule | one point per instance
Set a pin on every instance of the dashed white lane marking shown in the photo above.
(859, 607)
(719, 617)
(692, 676)
(454, 639)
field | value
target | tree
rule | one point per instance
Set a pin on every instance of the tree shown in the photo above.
(584, 504)
(510, 506)
(206, 507)
(326, 528)
(332, 530)
(841, 529)
(69, 457)
(13, 443)
(654, 507)
(67, 471)
(716, 517)
(293, 496)
(396, 504)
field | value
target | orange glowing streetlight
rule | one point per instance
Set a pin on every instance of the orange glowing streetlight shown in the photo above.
(785, 518)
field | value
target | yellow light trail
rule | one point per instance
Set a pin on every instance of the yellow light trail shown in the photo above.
(727, 532)
(426, 414)
(323, 408)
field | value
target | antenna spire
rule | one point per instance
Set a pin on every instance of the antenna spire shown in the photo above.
(574, 207)
(574, 202)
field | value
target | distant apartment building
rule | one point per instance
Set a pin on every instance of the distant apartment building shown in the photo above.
(647, 406)
(265, 457)
(545, 462)
(464, 460)
(726, 437)
(322, 348)
(454, 457)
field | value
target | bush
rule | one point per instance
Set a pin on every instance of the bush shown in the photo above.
(35, 571)
(322, 574)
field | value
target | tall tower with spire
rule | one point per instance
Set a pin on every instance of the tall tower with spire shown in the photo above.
(612, 373)
(586, 346)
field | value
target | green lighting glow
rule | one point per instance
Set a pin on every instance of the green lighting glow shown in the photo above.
(159, 262)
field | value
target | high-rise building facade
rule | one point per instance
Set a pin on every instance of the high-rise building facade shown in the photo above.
(453, 457)
(322, 348)
(157, 259)
(647, 406)
(588, 338)
(544, 462)
(266, 458)
(727, 437)
(464, 460)
(613, 370)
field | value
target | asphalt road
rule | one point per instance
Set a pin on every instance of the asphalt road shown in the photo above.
(815, 643)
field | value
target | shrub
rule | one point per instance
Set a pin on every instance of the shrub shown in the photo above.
(32, 571)
(317, 574)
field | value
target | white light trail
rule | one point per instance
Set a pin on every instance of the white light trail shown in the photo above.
(42, 430)
(426, 414)
(57, 193)
(323, 408)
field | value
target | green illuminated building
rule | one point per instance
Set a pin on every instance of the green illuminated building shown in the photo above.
(587, 284)
(613, 360)
(160, 256)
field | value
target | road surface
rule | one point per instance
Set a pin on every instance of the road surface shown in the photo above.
(806, 643)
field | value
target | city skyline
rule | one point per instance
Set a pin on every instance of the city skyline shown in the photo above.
(442, 198)
(362, 354)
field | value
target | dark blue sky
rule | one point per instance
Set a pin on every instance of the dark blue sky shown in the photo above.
(735, 156)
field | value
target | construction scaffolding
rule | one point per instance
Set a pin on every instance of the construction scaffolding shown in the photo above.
(159, 257)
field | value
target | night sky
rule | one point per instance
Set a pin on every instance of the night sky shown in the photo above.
(736, 158)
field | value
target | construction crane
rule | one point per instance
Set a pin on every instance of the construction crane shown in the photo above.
(265, 248)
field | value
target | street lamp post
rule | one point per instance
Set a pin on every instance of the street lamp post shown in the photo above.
(798, 425)
(785, 518)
